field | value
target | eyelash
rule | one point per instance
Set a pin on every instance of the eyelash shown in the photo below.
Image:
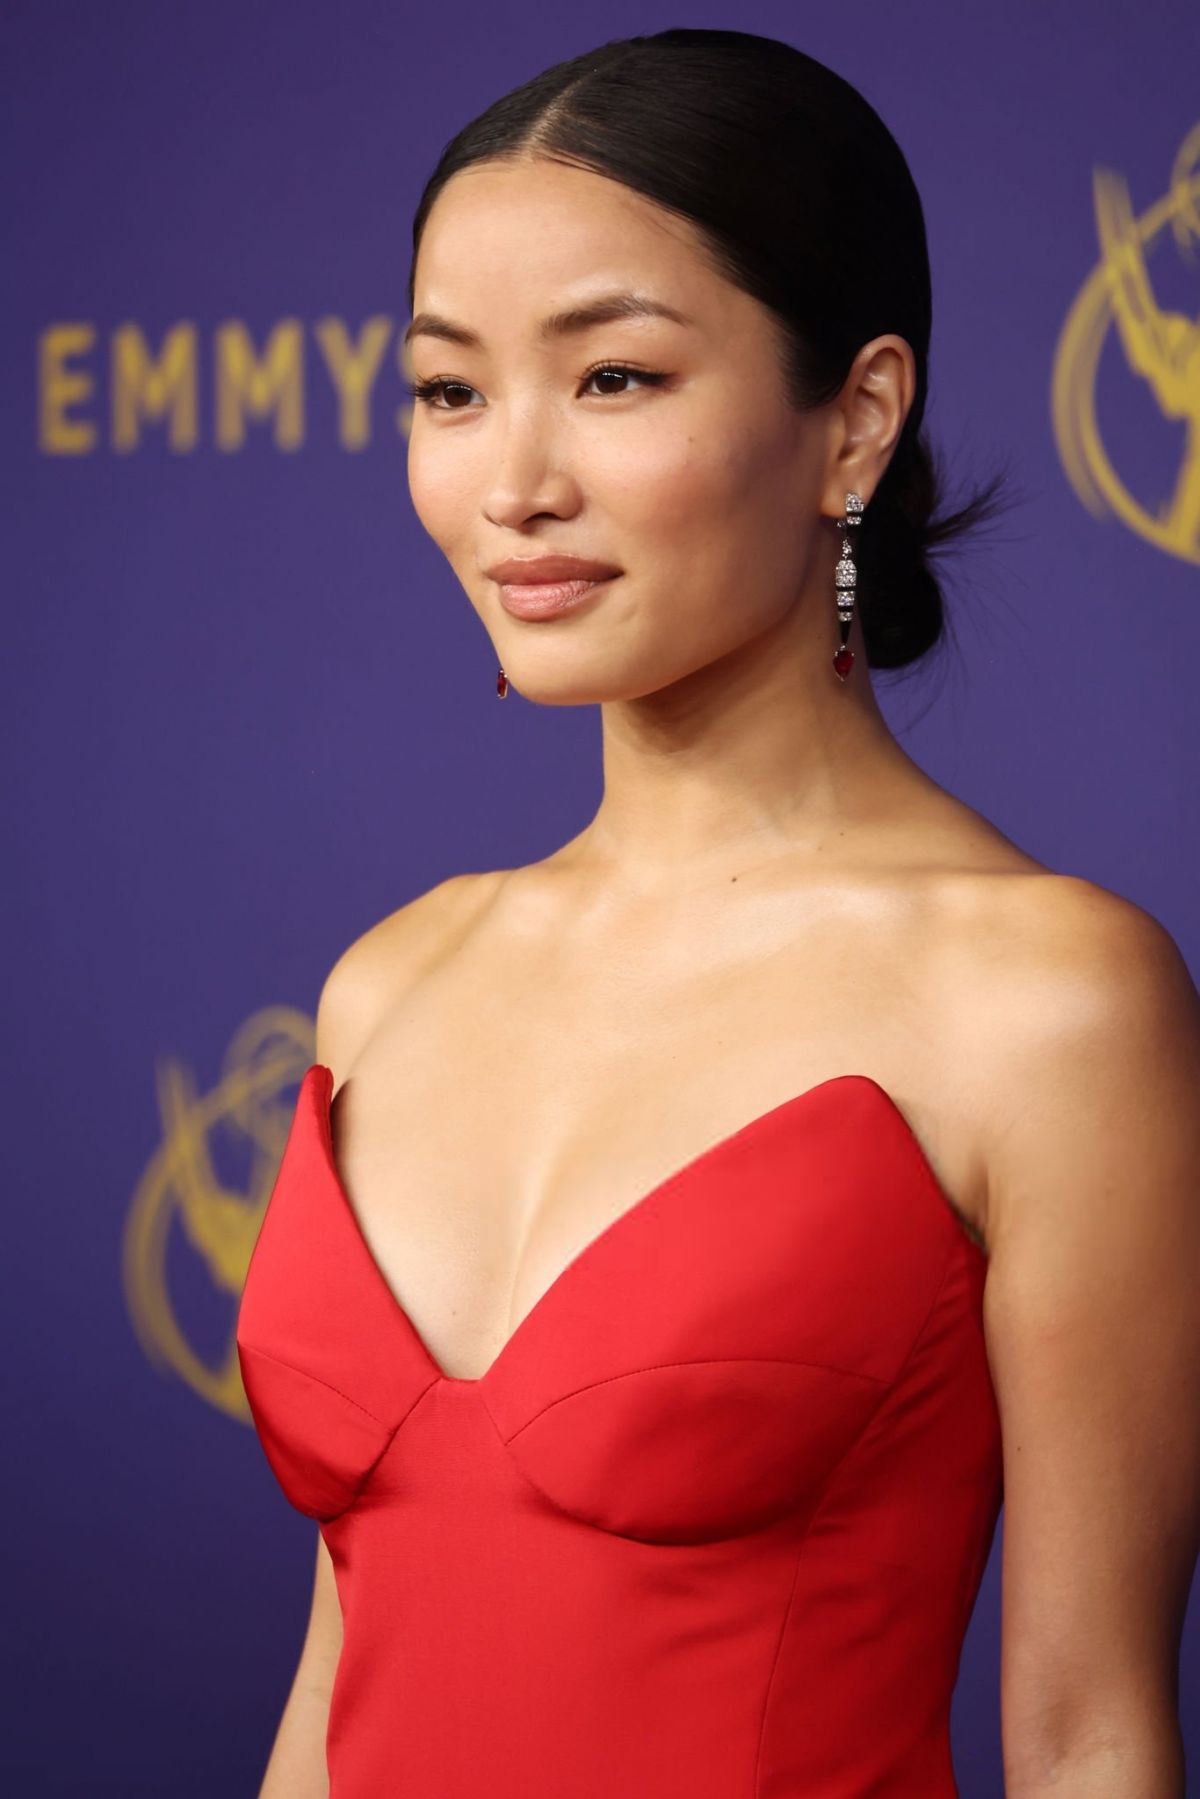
(424, 392)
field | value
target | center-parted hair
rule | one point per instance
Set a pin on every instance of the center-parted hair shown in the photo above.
(801, 197)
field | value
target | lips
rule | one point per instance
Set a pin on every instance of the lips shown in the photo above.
(532, 571)
(549, 599)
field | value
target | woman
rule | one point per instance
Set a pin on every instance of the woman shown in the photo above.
(628, 1332)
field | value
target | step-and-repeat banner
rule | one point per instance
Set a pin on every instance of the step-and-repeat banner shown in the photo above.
(249, 711)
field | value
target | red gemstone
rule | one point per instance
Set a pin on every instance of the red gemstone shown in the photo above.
(501, 683)
(843, 661)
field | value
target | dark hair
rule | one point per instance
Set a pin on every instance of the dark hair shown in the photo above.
(802, 197)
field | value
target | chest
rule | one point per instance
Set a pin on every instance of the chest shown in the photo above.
(499, 1121)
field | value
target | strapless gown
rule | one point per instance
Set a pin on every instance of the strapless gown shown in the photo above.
(712, 1524)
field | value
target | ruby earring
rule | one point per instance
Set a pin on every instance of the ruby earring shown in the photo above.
(844, 577)
(501, 683)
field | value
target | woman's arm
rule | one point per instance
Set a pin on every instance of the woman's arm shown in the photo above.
(297, 1768)
(1092, 1317)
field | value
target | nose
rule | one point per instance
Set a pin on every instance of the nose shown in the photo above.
(526, 477)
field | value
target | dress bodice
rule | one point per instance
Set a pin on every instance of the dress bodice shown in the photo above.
(710, 1526)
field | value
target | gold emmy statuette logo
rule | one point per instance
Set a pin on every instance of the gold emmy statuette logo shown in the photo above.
(1160, 349)
(182, 1201)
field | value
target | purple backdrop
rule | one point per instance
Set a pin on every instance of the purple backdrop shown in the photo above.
(251, 711)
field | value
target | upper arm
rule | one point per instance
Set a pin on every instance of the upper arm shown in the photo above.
(1093, 1332)
(323, 1638)
(374, 968)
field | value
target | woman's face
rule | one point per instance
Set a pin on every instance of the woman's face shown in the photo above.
(701, 485)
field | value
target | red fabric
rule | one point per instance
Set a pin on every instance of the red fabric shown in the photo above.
(713, 1523)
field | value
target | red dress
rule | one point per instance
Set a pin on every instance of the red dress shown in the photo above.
(712, 1524)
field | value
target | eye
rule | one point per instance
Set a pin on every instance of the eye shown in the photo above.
(426, 393)
(650, 377)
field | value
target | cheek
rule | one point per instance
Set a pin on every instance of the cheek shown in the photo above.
(705, 509)
(746, 504)
(703, 481)
(439, 489)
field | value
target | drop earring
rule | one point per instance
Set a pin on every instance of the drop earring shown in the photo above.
(844, 576)
(501, 683)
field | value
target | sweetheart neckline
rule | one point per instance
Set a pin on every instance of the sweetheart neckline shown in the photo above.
(322, 1111)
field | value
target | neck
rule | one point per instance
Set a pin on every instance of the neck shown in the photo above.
(760, 754)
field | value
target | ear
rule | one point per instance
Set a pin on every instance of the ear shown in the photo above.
(868, 417)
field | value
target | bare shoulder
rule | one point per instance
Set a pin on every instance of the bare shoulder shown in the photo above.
(1061, 1010)
(1087, 1034)
(377, 966)
(1083, 941)
(1076, 960)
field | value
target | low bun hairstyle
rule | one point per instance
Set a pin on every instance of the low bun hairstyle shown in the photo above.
(801, 196)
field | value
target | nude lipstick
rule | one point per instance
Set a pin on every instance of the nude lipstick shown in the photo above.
(541, 587)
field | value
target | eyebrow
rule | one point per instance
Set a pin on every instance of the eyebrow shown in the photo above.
(603, 310)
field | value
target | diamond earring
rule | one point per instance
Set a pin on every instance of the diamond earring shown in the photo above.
(844, 576)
